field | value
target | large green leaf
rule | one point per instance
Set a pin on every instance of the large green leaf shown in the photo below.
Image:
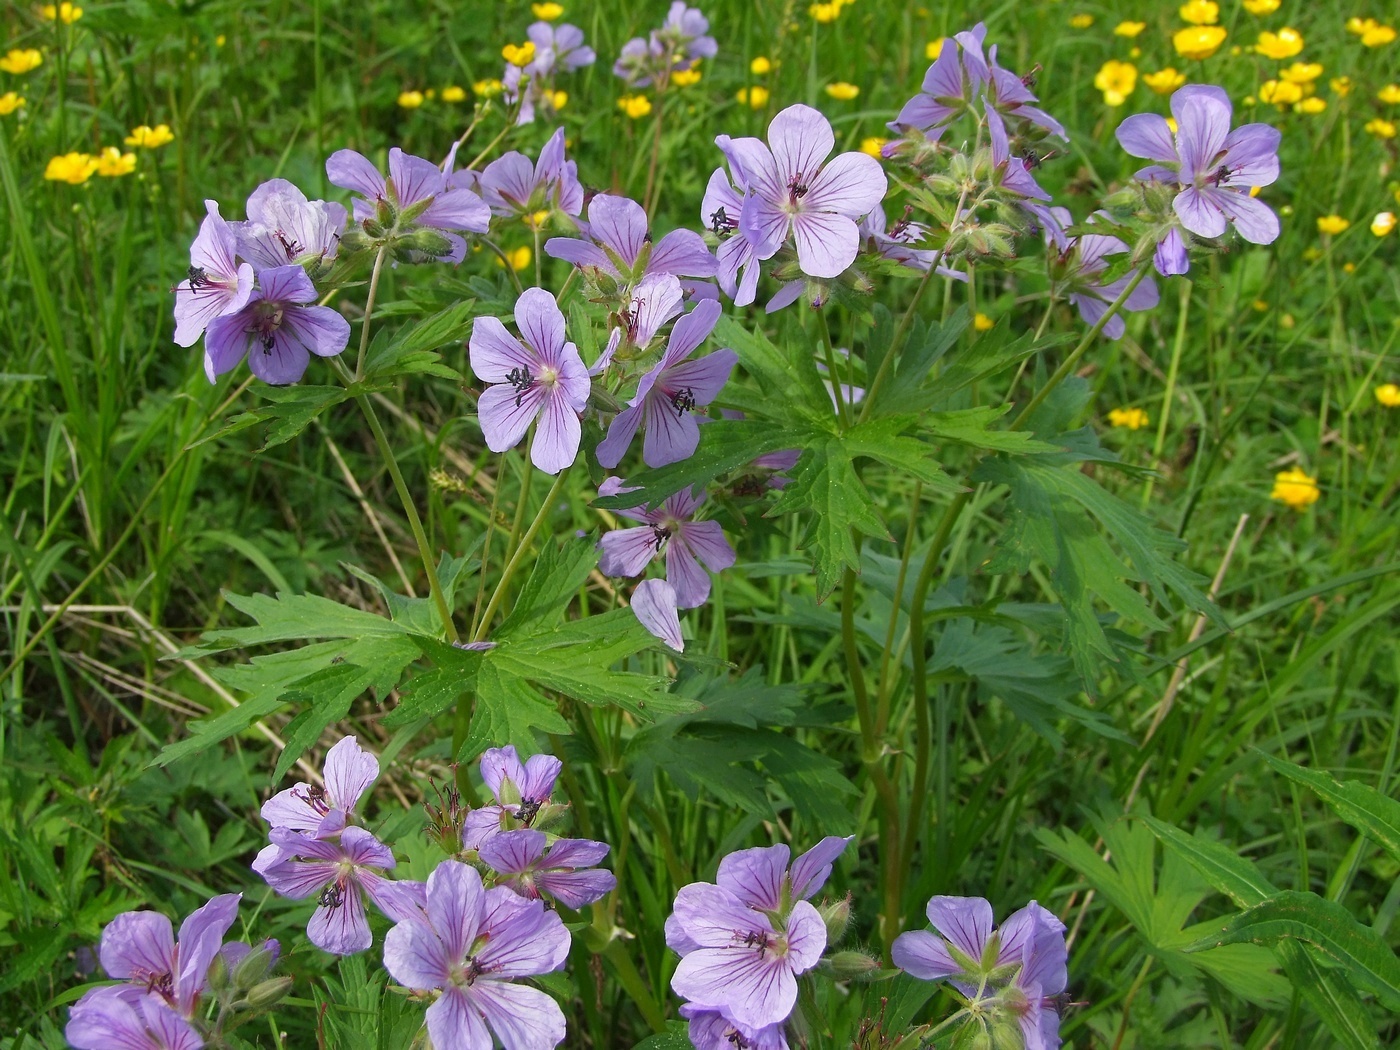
(507, 711)
(1306, 917)
(1360, 805)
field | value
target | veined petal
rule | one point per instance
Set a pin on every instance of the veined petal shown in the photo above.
(627, 552)
(579, 252)
(683, 572)
(455, 1024)
(455, 898)
(505, 415)
(1146, 135)
(281, 363)
(706, 541)
(136, 943)
(541, 323)
(806, 938)
(1255, 220)
(512, 852)
(850, 185)
(690, 331)
(801, 140)
(620, 223)
(349, 772)
(364, 850)
(557, 437)
(619, 438)
(523, 1018)
(755, 875)
(1251, 152)
(1199, 212)
(920, 954)
(494, 353)
(966, 922)
(351, 171)
(342, 929)
(416, 957)
(704, 378)
(1202, 115)
(811, 870)
(671, 433)
(826, 243)
(681, 252)
(654, 604)
(576, 889)
(320, 329)
(765, 225)
(415, 179)
(524, 938)
(752, 987)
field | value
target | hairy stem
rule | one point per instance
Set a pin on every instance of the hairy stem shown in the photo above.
(551, 497)
(369, 310)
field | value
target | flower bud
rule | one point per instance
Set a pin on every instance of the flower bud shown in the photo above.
(424, 240)
(256, 965)
(411, 213)
(850, 965)
(268, 994)
(837, 916)
(385, 215)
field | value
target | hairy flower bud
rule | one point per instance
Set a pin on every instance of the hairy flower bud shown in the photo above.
(850, 965)
(268, 994)
(837, 916)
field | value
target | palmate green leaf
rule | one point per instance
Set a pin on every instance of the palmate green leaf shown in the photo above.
(558, 573)
(973, 427)
(412, 351)
(420, 615)
(1225, 871)
(714, 760)
(1306, 917)
(910, 389)
(1360, 805)
(676, 1037)
(883, 440)
(290, 617)
(507, 711)
(792, 387)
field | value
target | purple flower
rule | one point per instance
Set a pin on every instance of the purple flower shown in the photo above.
(344, 873)
(105, 1019)
(139, 947)
(711, 1030)
(539, 375)
(654, 605)
(284, 227)
(558, 49)
(736, 261)
(564, 870)
(945, 93)
(277, 330)
(1214, 166)
(472, 945)
(969, 953)
(1171, 257)
(740, 962)
(1014, 175)
(323, 811)
(896, 243)
(521, 790)
(513, 186)
(792, 192)
(216, 283)
(626, 552)
(679, 44)
(621, 245)
(418, 187)
(669, 393)
(1083, 258)
(655, 300)
(1009, 93)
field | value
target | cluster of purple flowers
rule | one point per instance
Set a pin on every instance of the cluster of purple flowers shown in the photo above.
(558, 49)
(679, 45)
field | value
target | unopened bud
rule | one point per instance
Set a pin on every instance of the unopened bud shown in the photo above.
(837, 916)
(408, 215)
(386, 216)
(603, 400)
(256, 965)
(268, 994)
(429, 242)
(850, 965)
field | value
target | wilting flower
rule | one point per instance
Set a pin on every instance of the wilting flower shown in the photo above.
(104, 1019)
(472, 944)
(1296, 488)
(277, 330)
(417, 195)
(514, 186)
(653, 301)
(538, 376)
(793, 193)
(1215, 167)
(654, 605)
(973, 956)
(669, 393)
(1081, 260)
(736, 263)
(627, 552)
(139, 947)
(521, 791)
(564, 870)
(343, 873)
(896, 243)
(284, 227)
(621, 247)
(216, 284)
(146, 137)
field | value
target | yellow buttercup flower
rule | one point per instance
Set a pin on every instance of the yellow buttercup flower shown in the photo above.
(1198, 41)
(635, 106)
(982, 322)
(410, 99)
(1081, 21)
(1295, 488)
(1332, 224)
(1284, 44)
(72, 168)
(842, 91)
(557, 99)
(1129, 29)
(755, 97)
(487, 88)
(1388, 394)
(1383, 223)
(1200, 12)
(1164, 81)
(1128, 418)
(1280, 92)
(1314, 105)
(547, 12)
(872, 146)
(453, 93)
(1301, 72)
(65, 12)
(1390, 94)
(1361, 26)
(21, 60)
(150, 138)
(519, 54)
(825, 12)
(9, 102)
(1171, 125)
(113, 163)
(685, 77)
(518, 258)
(1341, 86)
(1260, 305)
(536, 220)
(1378, 36)
(934, 48)
(1382, 129)
(1116, 80)
(1261, 7)
(760, 65)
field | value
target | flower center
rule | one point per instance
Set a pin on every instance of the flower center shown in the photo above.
(267, 318)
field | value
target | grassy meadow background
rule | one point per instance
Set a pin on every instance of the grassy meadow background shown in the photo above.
(1266, 361)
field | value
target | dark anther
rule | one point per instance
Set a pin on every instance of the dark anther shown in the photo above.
(659, 535)
(268, 342)
(898, 229)
(797, 188)
(332, 896)
(529, 809)
(520, 380)
(721, 224)
(198, 278)
(683, 401)
(1029, 79)
(292, 247)
(1219, 175)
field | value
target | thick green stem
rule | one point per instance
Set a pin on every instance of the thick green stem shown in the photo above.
(1173, 369)
(552, 497)
(369, 310)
